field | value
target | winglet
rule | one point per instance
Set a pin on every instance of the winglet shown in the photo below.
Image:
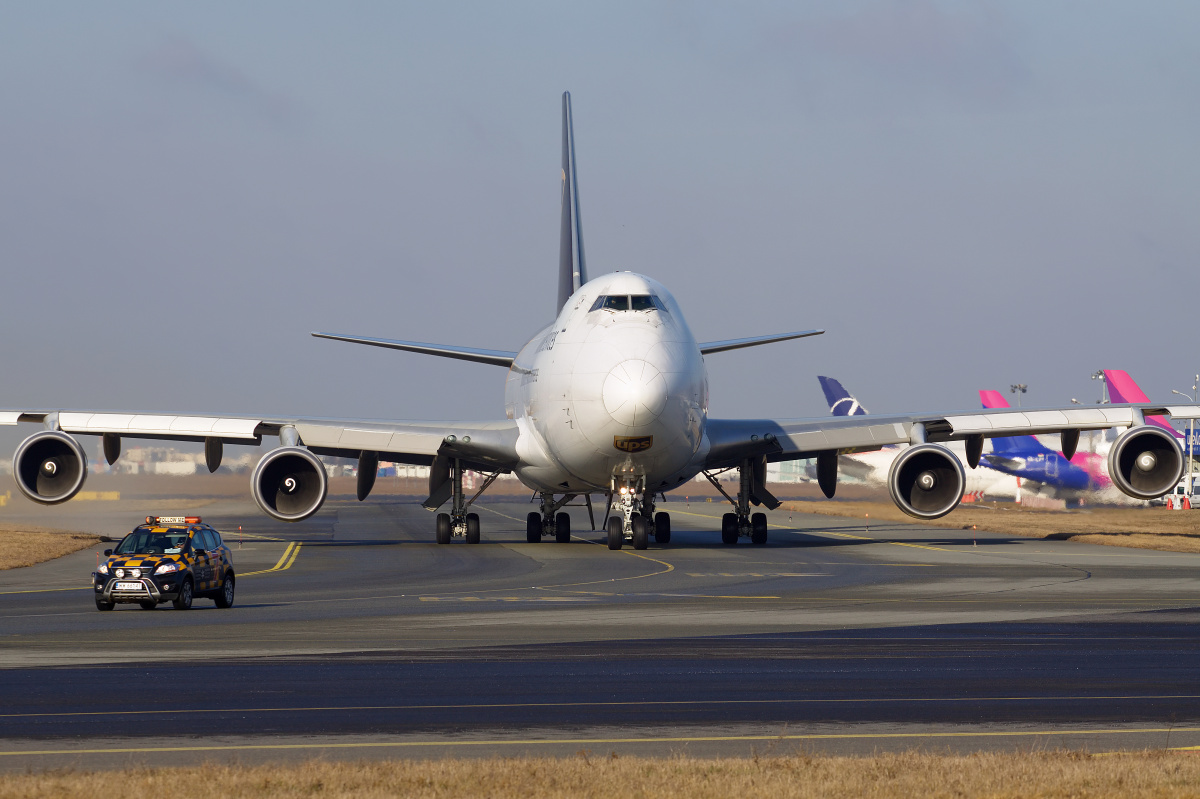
(572, 270)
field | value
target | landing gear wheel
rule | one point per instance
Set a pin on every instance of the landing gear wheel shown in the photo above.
(641, 532)
(102, 605)
(533, 527)
(225, 598)
(662, 528)
(729, 529)
(758, 528)
(616, 532)
(443, 528)
(148, 604)
(186, 592)
(562, 528)
(472, 528)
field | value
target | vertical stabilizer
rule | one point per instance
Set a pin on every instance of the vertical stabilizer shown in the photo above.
(841, 402)
(572, 272)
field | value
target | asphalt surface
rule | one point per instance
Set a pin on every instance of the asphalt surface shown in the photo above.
(354, 635)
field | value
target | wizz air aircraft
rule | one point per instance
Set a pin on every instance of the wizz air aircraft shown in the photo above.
(610, 398)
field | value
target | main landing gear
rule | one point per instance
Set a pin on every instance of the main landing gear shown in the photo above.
(550, 521)
(634, 519)
(458, 522)
(751, 489)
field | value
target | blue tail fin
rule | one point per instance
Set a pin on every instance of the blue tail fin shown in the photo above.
(572, 272)
(841, 402)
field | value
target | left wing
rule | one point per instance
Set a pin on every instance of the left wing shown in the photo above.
(789, 439)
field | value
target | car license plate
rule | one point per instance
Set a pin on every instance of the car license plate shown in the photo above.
(129, 586)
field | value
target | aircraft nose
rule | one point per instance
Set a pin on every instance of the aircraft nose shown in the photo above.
(635, 393)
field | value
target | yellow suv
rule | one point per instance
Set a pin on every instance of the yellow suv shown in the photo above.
(169, 558)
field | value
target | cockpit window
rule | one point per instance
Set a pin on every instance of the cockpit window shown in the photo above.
(622, 302)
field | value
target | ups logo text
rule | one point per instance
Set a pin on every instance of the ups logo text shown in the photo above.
(633, 443)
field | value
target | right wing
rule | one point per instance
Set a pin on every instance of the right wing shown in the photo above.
(488, 446)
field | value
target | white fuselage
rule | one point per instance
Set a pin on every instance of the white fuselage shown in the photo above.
(606, 393)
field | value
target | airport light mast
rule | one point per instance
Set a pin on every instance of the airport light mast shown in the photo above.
(1018, 389)
(1099, 375)
(1191, 443)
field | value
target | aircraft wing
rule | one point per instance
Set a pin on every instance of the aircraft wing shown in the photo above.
(733, 440)
(486, 446)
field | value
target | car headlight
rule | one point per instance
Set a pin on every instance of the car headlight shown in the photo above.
(167, 568)
(102, 568)
(120, 572)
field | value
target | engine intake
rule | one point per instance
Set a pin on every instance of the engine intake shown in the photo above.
(50, 467)
(1145, 462)
(289, 484)
(926, 481)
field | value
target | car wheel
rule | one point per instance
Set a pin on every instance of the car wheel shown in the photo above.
(102, 605)
(148, 604)
(225, 597)
(186, 593)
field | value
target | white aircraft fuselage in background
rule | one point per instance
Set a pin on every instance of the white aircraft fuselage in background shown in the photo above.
(607, 392)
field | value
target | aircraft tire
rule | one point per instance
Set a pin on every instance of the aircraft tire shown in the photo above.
(562, 528)
(533, 527)
(443, 528)
(641, 532)
(729, 529)
(472, 528)
(662, 528)
(616, 532)
(758, 528)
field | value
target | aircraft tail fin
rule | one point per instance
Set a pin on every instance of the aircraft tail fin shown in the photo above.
(572, 271)
(1123, 388)
(1009, 446)
(841, 402)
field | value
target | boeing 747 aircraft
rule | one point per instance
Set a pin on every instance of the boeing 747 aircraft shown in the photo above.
(610, 398)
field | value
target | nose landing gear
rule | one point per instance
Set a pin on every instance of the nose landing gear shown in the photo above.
(634, 519)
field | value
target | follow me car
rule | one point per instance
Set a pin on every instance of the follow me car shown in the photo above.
(169, 558)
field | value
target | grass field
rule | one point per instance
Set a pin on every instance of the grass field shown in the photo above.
(912, 774)
(1143, 528)
(25, 546)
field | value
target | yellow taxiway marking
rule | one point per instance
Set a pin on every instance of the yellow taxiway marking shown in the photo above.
(638, 703)
(285, 561)
(45, 590)
(682, 739)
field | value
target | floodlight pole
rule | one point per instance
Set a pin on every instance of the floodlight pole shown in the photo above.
(1018, 389)
(1191, 442)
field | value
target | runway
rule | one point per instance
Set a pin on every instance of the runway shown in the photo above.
(356, 636)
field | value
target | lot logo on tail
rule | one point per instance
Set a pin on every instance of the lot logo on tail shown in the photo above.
(633, 443)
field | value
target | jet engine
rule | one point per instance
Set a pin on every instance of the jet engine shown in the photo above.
(1145, 462)
(289, 484)
(50, 467)
(926, 481)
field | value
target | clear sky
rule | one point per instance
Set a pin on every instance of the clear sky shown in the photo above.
(965, 195)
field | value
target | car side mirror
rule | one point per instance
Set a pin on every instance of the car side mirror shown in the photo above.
(107, 552)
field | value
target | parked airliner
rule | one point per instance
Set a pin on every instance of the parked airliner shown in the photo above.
(610, 398)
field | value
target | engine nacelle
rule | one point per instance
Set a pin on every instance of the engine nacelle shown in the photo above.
(289, 484)
(1145, 462)
(50, 467)
(926, 481)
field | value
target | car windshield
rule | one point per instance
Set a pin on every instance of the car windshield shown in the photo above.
(146, 542)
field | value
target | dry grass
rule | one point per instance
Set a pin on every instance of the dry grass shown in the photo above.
(26, 546)
(1143, 528)
(911, 774)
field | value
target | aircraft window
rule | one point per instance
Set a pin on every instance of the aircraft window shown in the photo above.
(641, 302)
(616, 302)
(658, 303)
(598, 304)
